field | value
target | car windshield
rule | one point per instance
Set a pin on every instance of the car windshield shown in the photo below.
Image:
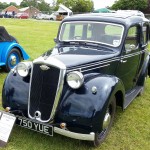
(97, 32)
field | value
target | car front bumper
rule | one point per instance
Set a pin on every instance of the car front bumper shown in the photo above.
(79, 136)
(50, 129)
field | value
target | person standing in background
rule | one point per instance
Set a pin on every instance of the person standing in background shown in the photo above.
(6, 14)
(13, 14)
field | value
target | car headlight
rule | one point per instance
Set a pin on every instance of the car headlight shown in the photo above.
(75, 79)
(23, 68)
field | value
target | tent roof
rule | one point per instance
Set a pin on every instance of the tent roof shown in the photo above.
(102, 10)
(63, 8)
(24, 9)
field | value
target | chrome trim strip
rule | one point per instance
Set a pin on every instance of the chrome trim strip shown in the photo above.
(79, 136)
(131, 55)
(93, 64)
(30, 90)
(96, 68)
(107, 61)
(59, 91)
(50, 61)
(55, 63)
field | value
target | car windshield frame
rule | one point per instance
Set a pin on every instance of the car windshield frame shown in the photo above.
(117, 44)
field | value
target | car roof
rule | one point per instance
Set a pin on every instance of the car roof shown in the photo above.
(121, 18)
(4, 35)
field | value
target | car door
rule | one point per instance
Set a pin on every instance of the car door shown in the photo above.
(144, 43)
(129, 61)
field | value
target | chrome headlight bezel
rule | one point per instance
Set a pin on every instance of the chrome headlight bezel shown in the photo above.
(23, 68)
(75, 79)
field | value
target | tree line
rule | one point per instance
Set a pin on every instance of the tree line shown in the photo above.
(81, 5)
(74, 5)
(141, 5)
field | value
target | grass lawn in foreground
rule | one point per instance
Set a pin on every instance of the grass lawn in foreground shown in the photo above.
(131, 130)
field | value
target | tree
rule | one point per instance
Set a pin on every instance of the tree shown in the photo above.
(24, 3)
(3, 5)
(43, 6)
(130, 5)
(147, 10)
(77, 5)
(39, 4)
(83, 6)
(13, 3)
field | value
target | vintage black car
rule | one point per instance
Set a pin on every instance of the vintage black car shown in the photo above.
(100, 61)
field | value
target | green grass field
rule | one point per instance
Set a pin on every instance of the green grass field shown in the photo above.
(131, 130)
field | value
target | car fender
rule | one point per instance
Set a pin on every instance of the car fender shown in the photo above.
(15, 92)
(87, 105)
(7, 46)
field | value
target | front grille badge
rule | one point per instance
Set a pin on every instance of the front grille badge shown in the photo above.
(44, 67)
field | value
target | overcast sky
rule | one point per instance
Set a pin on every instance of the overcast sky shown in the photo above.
(97, 3)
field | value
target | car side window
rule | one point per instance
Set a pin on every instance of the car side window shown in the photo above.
(131, 41)
(145, 34)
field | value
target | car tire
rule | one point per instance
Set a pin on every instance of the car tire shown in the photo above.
(107, 122)
(13, 58)
(51, 19)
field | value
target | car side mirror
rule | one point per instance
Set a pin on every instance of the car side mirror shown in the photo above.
(129, 47)
(55, 40)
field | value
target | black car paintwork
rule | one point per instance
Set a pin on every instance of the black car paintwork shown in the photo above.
(77, 104)
(75, 112)
(73, 56)
(82, 110)
(15, 93)
(144, 68)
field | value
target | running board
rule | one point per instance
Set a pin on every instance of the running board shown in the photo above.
(131, 95)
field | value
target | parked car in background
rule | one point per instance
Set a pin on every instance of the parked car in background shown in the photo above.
(131, 12)
(22, 15)
(100, 61)
(11, 52)
(6, 15)
(41, 16)
(52, 16)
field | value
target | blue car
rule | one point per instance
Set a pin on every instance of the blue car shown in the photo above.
(11, 53)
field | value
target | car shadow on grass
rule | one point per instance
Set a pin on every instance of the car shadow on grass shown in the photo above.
(26, 139)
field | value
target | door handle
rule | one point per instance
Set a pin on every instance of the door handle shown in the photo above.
(123, 61)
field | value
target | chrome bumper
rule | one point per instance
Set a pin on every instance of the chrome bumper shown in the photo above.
(79, 136)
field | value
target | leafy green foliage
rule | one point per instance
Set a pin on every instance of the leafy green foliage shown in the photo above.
(77, 5)
(24, 3)
(40, 4)
(4, 5)
(130, 5)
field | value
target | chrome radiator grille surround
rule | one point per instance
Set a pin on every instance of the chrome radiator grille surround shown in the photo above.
(45, 90)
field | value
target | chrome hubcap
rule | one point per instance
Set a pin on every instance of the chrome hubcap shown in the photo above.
(13, 60)
(107, 120)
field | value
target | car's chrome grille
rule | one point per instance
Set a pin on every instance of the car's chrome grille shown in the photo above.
(43, 91)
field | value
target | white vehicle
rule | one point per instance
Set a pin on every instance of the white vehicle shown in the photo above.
(132, 12)
(46, 17)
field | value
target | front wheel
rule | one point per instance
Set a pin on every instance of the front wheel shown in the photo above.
(107, 123)
(13, 58)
